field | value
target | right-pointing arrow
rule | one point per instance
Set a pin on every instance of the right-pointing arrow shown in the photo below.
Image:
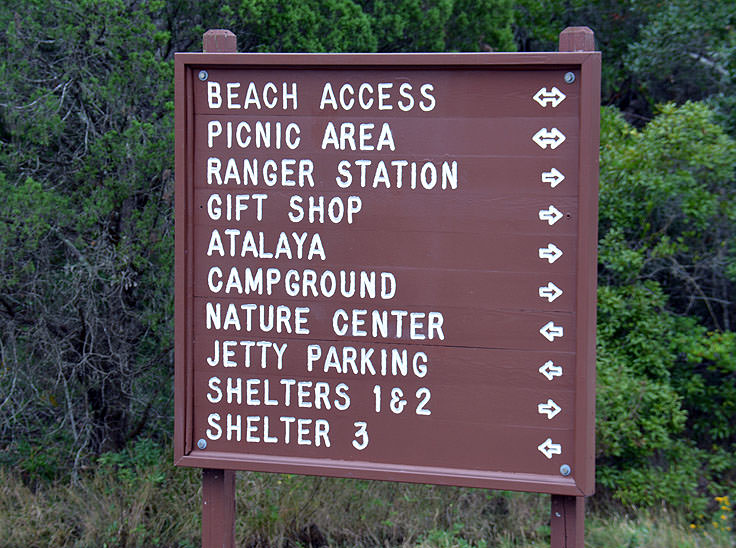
(550, 409)
(551, 252)
(548, 448)
(550, 292)
(550, 331)
(551, 215)
(553, 177)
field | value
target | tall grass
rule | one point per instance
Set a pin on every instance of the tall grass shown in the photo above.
(137, 498)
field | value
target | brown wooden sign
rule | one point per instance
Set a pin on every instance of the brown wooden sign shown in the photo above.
(386, 265)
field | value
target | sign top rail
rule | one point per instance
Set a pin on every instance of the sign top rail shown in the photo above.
(446, 60)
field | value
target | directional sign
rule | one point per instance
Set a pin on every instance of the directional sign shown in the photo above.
(550, 292)
(550, 331)
(552, 138)
(550, 409)
(547, 448)
(385, 266)
(550, 370)
(551, 215)
(553, 97)
(551, 253)
(553, 177)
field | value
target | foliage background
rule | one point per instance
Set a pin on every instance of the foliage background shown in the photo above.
(86, 176)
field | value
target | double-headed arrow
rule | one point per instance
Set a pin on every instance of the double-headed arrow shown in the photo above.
(548, 448)
(549, 331)
(552, 138)
(553, 177)
(553, 97)
(551, 253)
(550, 292)
(550, 409)
(550, 370)
(551, 215)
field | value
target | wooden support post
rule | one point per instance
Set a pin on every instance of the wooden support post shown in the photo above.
(219, 41)
(577, 39)
(568, 521)
(218, 486)
(218, 508)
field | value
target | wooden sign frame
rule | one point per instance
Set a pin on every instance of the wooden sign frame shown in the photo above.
(576, 476)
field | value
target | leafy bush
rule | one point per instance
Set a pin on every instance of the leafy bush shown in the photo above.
(85, 228)
(666, 355)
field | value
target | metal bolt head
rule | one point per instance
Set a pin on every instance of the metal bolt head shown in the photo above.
(203, 75)
(569, 77)
(565, 469)
(202, 443)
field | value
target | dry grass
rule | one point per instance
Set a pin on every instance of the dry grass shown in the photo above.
(653, 531)
(143, 501)
(364, 513)
(98, 511)
(160, 507)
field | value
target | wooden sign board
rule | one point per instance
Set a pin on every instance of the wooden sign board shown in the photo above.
(386, 266)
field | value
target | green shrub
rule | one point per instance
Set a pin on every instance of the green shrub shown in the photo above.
(666, 357)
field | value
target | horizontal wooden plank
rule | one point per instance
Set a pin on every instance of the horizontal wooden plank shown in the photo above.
(492, 214)
(394, 440)
(450, 326)
(487, 174)
(460, 93)
(429, 138)
(436, 287)
(452, 365)
(441, 248)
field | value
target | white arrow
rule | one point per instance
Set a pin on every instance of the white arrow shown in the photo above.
(553, 138)
(550, 292)
(550, 331)
(550, 370)
(553, 177)
(550, 409)
(554, 97)
(551, 253)
(548, 448)
(551, 215)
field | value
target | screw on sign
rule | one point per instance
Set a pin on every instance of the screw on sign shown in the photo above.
(371, 281)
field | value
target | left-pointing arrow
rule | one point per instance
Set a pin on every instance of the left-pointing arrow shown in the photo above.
(550, 409)
(551, 215)
(550, 370)
(548, 448)
(549, 331)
